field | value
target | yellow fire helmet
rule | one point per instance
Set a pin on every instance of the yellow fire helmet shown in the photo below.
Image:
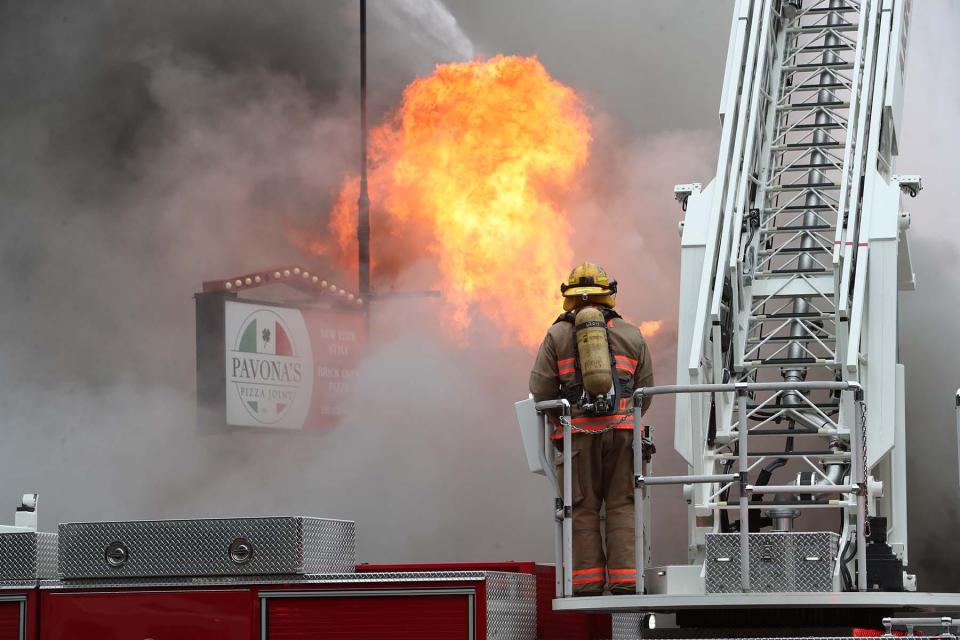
(588, 282)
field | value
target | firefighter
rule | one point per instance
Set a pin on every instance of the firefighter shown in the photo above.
(595, 359)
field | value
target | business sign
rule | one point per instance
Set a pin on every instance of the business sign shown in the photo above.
(279, 367)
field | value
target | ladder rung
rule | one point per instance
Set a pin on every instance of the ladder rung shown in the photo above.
(779, 405)
(818, 87)
(807, 66)
(790, 432)
(813, 28)
(800, 207)
(794, 315)
(817, 48)
(802, 186)
(809, 106)
(734, 505)
(809, 165)
(787, 251)
(793, 146)
(787, 454)
(825, 125)
(799, 227)
(787, 362)
(827, 10)
(785, 272)
(785, 339)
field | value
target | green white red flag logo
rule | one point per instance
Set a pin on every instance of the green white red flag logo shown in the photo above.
(265, 366)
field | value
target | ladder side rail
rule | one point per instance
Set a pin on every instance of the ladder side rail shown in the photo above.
(872, 171)
(733, 81)
(739, 161)
(756, 128)
(856, 80)
(848, 214)
(771, 93)
(756, 146)
(854, 204)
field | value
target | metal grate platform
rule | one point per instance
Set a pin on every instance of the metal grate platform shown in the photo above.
(667, 603)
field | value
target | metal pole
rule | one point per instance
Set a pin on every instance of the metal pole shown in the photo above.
(743, 466)
(561, 544)
(567, 509)
(745, 386)
(557, 513)
(692, 479)
(859, 479)
(363, 203)
(958, 431)
(640, 540)
(803, 489)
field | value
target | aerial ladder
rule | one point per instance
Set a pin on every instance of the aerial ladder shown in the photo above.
(790, 409)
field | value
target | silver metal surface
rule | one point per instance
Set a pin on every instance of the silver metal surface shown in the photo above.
(627, 626)
(171, 548)
(690, 479)
(639, 525)
(27, 556)
(567, 509)
(274, 579)
(745, 568)
(511, 606)
(745, 386)
(789, 562)
(899, 601)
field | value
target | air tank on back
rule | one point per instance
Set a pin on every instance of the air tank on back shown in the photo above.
(593, 351)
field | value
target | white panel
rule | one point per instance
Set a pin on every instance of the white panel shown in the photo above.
(736, 48)
(896, 63)
(691, 268)
(897, 527)
(906, 278)
(531, 432)
(881, 342)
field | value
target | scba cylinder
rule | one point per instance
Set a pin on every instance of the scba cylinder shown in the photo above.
(594, 351)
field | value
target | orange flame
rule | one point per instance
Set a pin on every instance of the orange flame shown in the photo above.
(480, 160)
(650, 328)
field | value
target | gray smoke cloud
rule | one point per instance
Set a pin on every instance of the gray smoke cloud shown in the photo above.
(149, 146)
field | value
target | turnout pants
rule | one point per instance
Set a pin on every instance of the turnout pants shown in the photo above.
(602, 473)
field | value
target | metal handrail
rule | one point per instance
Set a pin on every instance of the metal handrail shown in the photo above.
(564, 537)
(742, 389)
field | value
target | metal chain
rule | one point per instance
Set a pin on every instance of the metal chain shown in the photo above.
(863, 447)
(575, 429)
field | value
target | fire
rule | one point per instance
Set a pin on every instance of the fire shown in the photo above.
(650, 328)
(479, 163)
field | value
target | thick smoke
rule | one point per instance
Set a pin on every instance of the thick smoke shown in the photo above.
(148, 146)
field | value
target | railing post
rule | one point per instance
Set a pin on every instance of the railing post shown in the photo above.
(567, 505)
(640, 539)
(563, 507)
(557, 514)
(958, 431)
(860, 480)
(743, 466)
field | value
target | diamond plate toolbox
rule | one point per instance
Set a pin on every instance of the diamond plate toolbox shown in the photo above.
(207, 547)
(28, 556)
(778, 561)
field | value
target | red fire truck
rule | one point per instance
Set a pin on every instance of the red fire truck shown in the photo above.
(283, 578)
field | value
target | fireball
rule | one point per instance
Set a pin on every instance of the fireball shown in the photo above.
(482, 159)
